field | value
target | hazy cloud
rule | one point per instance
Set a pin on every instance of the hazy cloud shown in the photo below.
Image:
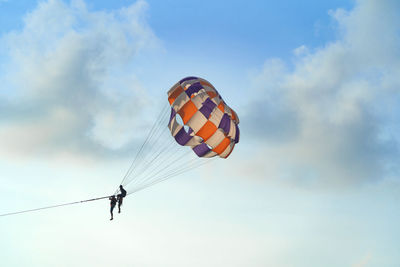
(364, 261)
(331, 117)
(67, 85)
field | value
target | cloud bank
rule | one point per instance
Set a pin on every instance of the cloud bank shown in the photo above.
(332, 116)
(66, 85)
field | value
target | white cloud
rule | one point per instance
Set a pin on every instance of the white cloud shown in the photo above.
(301, 50)
(68, 85)
(330, 118)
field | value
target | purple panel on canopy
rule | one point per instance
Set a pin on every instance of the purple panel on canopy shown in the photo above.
(225, 123)
(187, 79)
(194, 88)
(207, 108)
(173, 113)
(182, 137)
(237, 134)
(201, 149)
(190, 130)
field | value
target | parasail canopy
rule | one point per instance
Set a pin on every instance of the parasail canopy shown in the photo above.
(211, 125)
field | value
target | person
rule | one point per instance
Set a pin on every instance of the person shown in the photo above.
(113, 202)
(120, 197)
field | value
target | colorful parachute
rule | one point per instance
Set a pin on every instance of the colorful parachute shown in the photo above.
(199, 119)
(212, 126)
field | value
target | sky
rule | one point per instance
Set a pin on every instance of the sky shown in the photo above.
(314, 180)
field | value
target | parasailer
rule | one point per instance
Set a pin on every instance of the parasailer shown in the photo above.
(113, 202)
(120, 197)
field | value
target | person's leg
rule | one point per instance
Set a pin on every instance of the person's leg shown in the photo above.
(119, 205)
(111, 211)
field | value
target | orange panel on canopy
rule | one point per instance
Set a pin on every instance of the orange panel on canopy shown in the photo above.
(187, 111)
(222, 146)
(207, 130)
(221, 107)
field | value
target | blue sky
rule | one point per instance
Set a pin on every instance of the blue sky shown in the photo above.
(314, 180)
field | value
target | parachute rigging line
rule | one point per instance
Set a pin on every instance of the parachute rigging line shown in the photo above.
(170, 175)
(53, 206)
(159, 157)
(156, 127)
(150, 134)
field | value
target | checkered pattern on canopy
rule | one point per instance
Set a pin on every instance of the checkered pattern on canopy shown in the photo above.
(213, 125)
